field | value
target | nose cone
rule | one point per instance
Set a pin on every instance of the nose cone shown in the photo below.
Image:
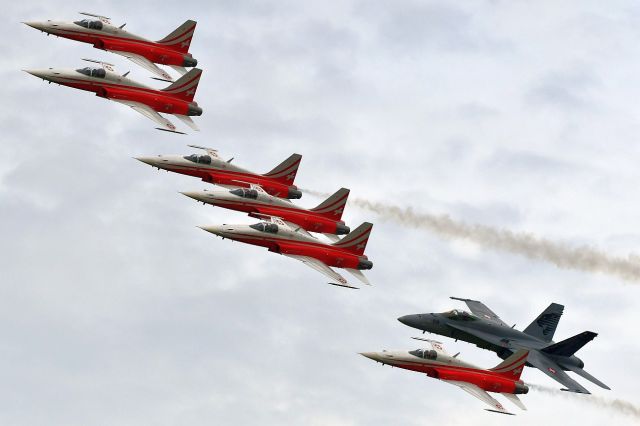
(370, 355)
(410, 320)
(196, 195)
(36, 24)
(214, 229)
(152, 161)
(40, 73)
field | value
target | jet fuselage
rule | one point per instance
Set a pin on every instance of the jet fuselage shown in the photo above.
(259, 204)
(220, 172)
(108, 37)
(445, 367)
(109, 85)
(283, 240)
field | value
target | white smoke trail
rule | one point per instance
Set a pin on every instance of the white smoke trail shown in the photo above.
(582, 258)
(618, 405)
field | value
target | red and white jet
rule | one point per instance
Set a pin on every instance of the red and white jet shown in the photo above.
(325, 218)
(176, 99)
(292, 241)
(214, 169)
(437, 363)
(173, 50)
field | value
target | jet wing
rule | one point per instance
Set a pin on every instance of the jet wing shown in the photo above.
(479, 309)
(151, 114)
(145, 63)
(553, 370)
(324, 269)
(188, 121)
(481, 395)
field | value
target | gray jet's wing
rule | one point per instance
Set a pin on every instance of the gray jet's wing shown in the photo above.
(480, 310)
(553, 370)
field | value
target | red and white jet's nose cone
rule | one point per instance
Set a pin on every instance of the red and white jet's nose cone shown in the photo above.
(196, 195)
(370, 355)
(44, 74)
(152, 161)
(35, 24)
(214, 229)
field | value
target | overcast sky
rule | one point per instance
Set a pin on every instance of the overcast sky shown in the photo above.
(116, 309)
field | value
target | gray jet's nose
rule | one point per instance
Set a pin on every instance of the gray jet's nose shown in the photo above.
(410, 320)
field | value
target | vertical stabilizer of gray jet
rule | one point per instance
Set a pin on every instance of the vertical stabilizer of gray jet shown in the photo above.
(545, 325)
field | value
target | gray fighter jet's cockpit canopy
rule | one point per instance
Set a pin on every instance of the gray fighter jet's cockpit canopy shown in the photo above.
(245, 193)
(457, 315)
(93, 72)
(89, 23)
(271, 228)
(424, 353)
(201, 159)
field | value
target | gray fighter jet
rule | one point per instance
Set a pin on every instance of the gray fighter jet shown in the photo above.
(486, 330)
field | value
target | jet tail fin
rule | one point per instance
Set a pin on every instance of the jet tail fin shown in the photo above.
(512, 367)
(185, 87)
(571, 345)
(180, 38)
(545, 325)
(356, 240)
(333, 206)
(286, 171)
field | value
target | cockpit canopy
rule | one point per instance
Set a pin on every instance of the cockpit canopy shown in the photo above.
(91, 24)
(424, 353)
(201, 159)
(457, 315)
(93, 72)
(271, 228)
(245, 193)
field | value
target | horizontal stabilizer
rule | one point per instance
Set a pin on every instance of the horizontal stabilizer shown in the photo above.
(571, 345)
(582, 373)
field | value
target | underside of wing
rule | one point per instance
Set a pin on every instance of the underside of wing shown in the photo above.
(359, 275)
(181, 70)
(480, 310)
(338, 279)
(150, 114)
(483, 396)
(188, 121)
(145, 63)
(553, 370)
